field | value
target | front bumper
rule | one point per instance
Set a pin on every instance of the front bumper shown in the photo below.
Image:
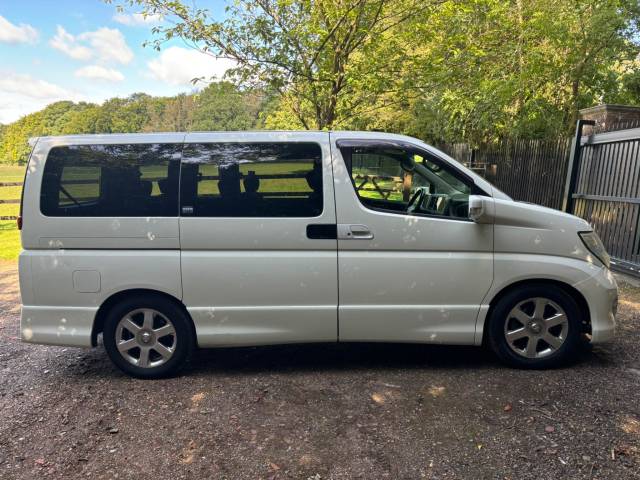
(601, 294)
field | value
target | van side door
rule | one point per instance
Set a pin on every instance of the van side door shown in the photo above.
(258, 238)
(412, 266)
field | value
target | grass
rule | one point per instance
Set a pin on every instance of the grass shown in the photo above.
(12, 173)
(210, 187)
(9, 240)
(9, 209)
(9, 235)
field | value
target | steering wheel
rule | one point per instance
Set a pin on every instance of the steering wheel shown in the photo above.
(415, 200)
(458, 206)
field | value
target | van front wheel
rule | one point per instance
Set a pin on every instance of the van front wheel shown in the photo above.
(148, 337)
(536, 326)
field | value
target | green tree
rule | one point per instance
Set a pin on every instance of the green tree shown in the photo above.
(447, 69)
(630, 80)
(49, 121)
(222, 106)
(178, 114)
(316, 53)
(518, 68)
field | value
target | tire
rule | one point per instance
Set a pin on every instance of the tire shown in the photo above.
(151, 324)
(521, 337)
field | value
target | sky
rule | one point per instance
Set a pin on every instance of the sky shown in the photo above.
(86, 50)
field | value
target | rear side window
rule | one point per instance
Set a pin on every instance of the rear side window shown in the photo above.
(252, 180)
(111, 181)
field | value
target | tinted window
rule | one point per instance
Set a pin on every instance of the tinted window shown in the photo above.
(252, 180)
(111, 181)
(400, 181)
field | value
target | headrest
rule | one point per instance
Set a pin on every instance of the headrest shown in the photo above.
(314, 177)
(229, 183)
(165, 186)
(251, 182)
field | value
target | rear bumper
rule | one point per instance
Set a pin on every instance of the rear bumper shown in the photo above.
(66, 326)
(601, 293)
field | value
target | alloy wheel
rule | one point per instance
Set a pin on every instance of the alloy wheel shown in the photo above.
(146, 338)
(536, 327)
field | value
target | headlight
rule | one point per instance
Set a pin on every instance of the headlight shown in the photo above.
(593, 243)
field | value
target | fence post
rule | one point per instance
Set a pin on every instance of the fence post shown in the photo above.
(574, 166)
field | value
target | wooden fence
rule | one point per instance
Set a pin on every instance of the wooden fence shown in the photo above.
(527, 170)
(10, 201)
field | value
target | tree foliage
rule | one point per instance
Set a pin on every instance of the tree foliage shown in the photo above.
(439, 69)
(317, 54)
(523, 68)
(219, 106)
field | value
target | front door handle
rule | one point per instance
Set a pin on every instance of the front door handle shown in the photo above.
(354, 232)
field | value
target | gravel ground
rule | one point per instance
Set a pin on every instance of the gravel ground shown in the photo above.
(319, 412)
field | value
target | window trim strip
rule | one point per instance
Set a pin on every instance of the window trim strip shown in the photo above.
(347, 144)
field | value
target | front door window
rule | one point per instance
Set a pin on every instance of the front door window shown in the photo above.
(403, 182)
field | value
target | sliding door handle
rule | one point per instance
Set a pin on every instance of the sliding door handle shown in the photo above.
(354, 232)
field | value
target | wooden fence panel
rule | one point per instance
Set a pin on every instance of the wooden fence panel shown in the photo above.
(527, 170)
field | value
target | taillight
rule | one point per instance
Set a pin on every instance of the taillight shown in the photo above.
(19, 222)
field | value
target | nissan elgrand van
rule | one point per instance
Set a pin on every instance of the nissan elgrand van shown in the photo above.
(162, 243)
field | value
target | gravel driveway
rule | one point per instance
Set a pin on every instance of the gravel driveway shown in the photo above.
(319, 412)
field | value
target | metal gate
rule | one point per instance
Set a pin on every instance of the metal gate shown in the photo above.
(603, 187)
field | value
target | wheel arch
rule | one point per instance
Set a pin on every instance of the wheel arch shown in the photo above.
(579, 298)
(115, 298)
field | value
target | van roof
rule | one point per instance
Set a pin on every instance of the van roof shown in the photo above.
(159, 135)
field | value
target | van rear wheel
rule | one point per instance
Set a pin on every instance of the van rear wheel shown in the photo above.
(536, 326)
(148, 336)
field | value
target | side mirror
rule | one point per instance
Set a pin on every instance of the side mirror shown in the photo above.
(481, 209)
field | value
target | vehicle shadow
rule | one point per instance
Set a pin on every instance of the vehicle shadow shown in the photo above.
(342, 356)
(336, 357)
(350, 357)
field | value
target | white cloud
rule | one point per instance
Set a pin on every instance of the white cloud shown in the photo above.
(22, 94)
(23, 33)
(137, 19)
(68, 44)
(105, 45)
(31, 87)
(97, 72)
(109, 45)
(178, 66)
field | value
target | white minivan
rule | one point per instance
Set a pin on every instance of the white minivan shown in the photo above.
(167, 242)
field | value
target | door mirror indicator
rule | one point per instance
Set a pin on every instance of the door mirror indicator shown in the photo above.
(481, 209)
